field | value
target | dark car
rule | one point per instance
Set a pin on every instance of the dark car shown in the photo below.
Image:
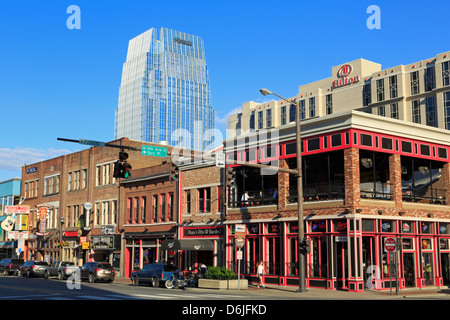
(97, 271)
(154, 274)
(10, 266)
(33, 268)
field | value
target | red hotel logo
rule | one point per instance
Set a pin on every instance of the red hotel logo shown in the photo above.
(345, 70)
(343, 74)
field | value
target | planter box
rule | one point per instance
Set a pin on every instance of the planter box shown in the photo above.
(222, 284)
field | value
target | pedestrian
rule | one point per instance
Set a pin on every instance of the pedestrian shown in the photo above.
(260, 274)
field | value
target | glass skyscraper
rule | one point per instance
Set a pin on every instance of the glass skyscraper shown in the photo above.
(164, 95)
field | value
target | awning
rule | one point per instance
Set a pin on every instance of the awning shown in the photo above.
(6, 245)
(188, 244)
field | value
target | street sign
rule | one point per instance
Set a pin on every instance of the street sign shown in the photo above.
(92, 143)
(220, 159)
(239, 232)
(154, 151)
(239, 242)
(390, 245)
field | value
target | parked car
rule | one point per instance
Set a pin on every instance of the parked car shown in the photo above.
(10, 266)
(33, 268)
(154, 274)
(61, 269)
(97, 271)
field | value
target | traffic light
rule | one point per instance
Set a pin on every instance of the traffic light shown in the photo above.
(122, 169)
(305, 246)
(173, 176)
(230, 177)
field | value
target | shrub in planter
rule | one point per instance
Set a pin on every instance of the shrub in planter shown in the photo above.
(220, 273)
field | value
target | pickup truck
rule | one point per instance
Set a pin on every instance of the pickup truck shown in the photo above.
(60, 269)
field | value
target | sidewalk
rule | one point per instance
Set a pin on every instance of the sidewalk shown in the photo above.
(322, 294)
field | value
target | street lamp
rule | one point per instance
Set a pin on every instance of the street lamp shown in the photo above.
(60, 237)
(301, 231)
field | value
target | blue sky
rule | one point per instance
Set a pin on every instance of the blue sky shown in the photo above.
(57, 82)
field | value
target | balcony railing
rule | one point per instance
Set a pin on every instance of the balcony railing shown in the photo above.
(256, 198)
(432, 196)
(318, 192)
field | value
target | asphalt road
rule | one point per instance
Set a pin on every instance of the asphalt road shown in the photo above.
(20, 288)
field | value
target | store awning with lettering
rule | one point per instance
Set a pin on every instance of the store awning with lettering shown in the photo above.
(188, 244)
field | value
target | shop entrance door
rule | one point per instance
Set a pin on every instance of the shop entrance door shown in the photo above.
(409, 270)
(340, 264)
(427, 267)
(368, 251)
(445, 266)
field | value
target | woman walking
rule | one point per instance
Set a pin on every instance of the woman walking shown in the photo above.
(260, 274)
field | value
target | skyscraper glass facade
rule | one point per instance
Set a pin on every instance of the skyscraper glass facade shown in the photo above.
(164, 95)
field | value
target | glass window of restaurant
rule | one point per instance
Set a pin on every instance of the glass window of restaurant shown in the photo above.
(323, 177)
(421, 180)
(374, 173)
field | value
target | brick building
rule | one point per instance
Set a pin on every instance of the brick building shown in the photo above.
(149, 217)
(201, 229)
(63, 186)
(365, 178)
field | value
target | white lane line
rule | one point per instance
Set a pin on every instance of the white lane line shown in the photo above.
(96, 297)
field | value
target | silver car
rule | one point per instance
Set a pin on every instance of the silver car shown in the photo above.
(33, 268)
(97, 271)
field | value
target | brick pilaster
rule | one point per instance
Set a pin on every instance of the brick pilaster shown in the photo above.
(283, 185)
(352, 177)
(446, 177)
(395, 179)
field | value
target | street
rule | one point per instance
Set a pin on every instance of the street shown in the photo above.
(20, 288)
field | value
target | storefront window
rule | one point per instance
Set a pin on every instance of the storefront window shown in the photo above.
(273, 255)
(407, 227)
(340, 225)
(407, 243)
(427, 267)
(444, 228)
(368, 225)
(318, 266)
(292, 267)
(443, 244)
(426, 227)
(319, 226)
(427, 244)
(421, 180)
(374, 174)
(387, 226)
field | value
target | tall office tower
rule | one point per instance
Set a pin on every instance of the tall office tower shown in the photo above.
(164, 95)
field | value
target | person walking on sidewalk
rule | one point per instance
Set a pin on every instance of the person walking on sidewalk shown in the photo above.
(260, 274)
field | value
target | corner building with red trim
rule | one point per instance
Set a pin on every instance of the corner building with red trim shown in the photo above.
(375, 157)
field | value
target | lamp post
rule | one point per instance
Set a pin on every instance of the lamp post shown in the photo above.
(60, 237)
(301, 231)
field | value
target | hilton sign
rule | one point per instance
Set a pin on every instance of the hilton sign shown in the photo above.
(344, 78)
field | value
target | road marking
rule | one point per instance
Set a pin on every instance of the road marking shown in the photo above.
(97, 297)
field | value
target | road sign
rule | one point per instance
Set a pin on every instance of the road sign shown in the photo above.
(239, 232)
(92, 143)
(390, 244)
(220, 159)
(154, 151)
(239, 242)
